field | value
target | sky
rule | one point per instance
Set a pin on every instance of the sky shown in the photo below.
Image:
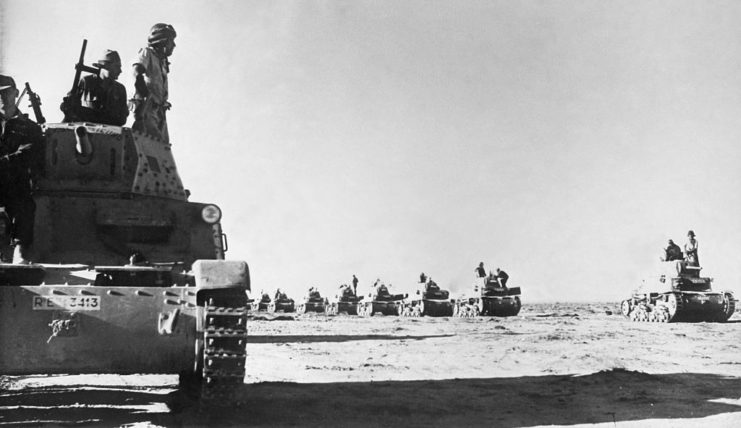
(562, 141)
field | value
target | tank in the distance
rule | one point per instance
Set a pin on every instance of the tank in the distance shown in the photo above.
(282, 303)
(428, 300)
(677, 292)
(346, 301)
(312, 302)
(380, 300)
(488, 297)
(103, 194)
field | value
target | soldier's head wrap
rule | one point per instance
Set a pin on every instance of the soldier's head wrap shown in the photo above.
(161, 33)
(108, 57)
(6, 82)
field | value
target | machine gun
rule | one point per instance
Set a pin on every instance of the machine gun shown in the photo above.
(71, 99)
(35, 100)
(35, 105)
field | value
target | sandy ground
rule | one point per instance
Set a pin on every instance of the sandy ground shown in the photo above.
(555, 364)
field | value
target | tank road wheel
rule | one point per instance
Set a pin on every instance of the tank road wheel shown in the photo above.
(662, 313)
(674, 305)
(517, 306)
(625, 307)
(729, 307)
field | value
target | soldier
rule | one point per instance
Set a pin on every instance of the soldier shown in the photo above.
(355, 284)
(480, 271)
(502, 278)
(151, 68)
(20, 142)
(690, 250)
(672, 252)
(422, 278)
(99, 99)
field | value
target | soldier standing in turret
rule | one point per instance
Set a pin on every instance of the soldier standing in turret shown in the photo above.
(20, 142)
(150, 71)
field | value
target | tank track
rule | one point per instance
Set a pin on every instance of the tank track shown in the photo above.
(223, 352)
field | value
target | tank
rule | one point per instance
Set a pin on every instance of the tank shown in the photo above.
(428, 300)
(678, 292)
(381, 301)
(282, 303)
(313, 302)
(262, 305)
(487, 297)
(105, 192)
(344, 302)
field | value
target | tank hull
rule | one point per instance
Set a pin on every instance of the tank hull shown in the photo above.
(377, 307)
(112, 330)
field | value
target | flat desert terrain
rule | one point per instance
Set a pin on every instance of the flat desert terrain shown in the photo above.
(561, 364)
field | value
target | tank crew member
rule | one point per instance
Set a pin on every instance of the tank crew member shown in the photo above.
(672, 252)
(422, 278)
(137, 259)
(502, 278)
(355, 284)
(432, 286)
(690, 250)
(151, 67)
(99, 99)
(480, 271)
(277, 294)
(20, 143)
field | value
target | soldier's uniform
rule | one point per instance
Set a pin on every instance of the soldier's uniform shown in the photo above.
(21, 154)
(96, 99)
(150, 109)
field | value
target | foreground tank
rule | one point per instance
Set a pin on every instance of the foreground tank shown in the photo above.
(677, 292)
(381, 301)
(105, 192)
(313, 302)
(345, 302)
(489, 298)
(428, 300)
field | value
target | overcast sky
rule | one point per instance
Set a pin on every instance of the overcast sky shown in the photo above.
(563, 141)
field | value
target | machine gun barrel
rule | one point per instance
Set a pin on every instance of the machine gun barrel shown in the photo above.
(35, 100)
(80, 67)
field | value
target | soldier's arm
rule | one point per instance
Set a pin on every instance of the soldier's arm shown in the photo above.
(139, 84)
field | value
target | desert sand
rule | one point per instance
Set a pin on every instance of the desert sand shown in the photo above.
(553, 364)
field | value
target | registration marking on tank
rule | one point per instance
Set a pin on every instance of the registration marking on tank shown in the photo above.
(72, 303)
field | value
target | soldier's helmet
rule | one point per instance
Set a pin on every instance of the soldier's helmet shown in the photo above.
(160, 33)
(6, 82)
(108, 57)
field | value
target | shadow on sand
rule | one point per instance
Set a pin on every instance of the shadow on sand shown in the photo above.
(337, 338)
(608, 396)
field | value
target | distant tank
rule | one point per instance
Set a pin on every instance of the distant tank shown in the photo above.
(381, 301)
(677, 292)
(313, 302)
(262, 305)
(428, 300)
(487, 297)
(104, 193)
(345, 302)
(282, 303)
